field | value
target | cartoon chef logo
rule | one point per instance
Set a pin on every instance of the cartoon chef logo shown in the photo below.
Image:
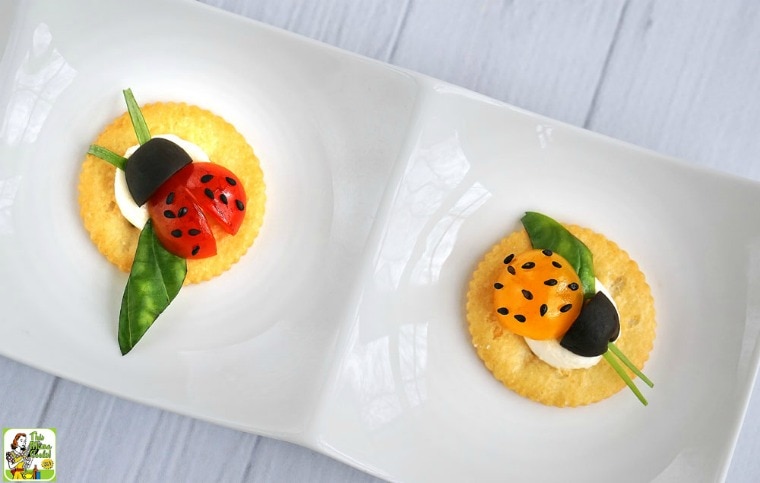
(29, 454)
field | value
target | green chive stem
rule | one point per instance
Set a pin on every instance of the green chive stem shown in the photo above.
(621, 372)
(615, 350)
(135, 114)
(107, 155)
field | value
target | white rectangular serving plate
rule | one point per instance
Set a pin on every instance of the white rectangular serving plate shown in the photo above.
(342, 329)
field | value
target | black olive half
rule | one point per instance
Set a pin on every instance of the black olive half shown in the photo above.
(596, 325)
(151, 165)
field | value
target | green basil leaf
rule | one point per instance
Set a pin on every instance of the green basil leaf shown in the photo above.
(155, 279)
(135, 114)
(107, 155)
(545, 232)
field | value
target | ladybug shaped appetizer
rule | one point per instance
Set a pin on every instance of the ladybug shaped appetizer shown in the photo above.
(548, 320)
(171, 216)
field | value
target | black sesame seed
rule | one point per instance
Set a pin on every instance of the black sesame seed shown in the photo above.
(556, 264)
(527, 294)
(170, 198)
(182, 211)
(206, 178)
(528, 265)
(547, 252)
(209, 193)
(193, 232)
(498, 286)
(520, 318)
(196, 249)
(176, 233)
(223, 198)
(502, 310)
(565, 308)
(169, 214)
(231, 181)
(240, 205)
(573, 286)
(551, 282)
(543, 309)
(509, 258)
(511, 269)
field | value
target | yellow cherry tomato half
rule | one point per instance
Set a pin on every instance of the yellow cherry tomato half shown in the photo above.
(537, 295)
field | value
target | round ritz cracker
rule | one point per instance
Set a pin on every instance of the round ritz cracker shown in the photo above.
(116, 238)
(510, 359)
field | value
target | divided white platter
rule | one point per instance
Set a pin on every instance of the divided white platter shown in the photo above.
(342, 329)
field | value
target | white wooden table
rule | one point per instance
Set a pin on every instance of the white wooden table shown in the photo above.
(681, 77)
